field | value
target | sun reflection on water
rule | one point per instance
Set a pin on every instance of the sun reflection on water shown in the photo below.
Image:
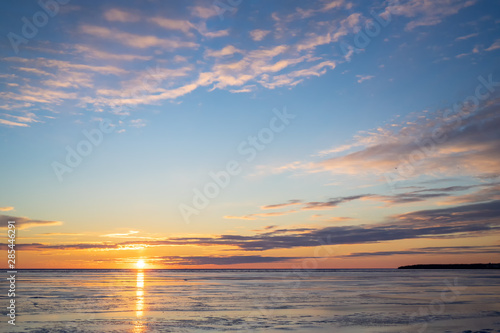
(139, 304)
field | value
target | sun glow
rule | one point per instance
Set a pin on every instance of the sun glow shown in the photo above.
(140, 264)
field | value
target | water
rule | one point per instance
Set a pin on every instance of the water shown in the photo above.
(255, 300)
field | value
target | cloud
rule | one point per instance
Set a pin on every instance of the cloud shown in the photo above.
(423, 195)
(259, 215)
(438, 250)
(32, 94)
(119, 15)
(203, 12)
(238, 68)
(304, 13)
(138, 123)
(487, 192)
(220, 260)
(15, 106)
(278, 65)
(292, 166)
(341, 148)
(227, 50)
(34, 71)
(313, 205)
(134, 40)
(449, 142)
(12, 123)
(320, 205)
(295, 77)
(332, 5)
(362, 78)
(494, 46)
(253, 64)
(491, 192)
(426, 13)
(6, 209)
(281, 205)
(93, 53)
(170, 24)
(59, 234)
(405, 198)
(152, 80)
(462, 221)
(8, 76)
(132, 233)
(202, 29)
(185, 27)
(64, 65)
(28, 117)
(25, 223)
(320, 217)
(259, 34)
(245, 89)
(467, 36)
(81, 246)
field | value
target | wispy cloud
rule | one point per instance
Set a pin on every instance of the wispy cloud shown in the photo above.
(485, 193)
(220, 260)
(259, 34)
(203, 12)
(427, 13)
(299, 206)
(467, 36)
(470, 148)
(287, 61)
(135, 40)
(259, 215)
(12, 123)
(494, 46)
(438, 250)
(362, 78)
(132, 233)
(94, 53)
(63, 65)
(281, 205)
(28, 117)
(25, 223)
(172, 24)
(461, 221)
(119, 15)
(227, 50)
(138, 123)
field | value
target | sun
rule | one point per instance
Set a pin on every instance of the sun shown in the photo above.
(140, 264)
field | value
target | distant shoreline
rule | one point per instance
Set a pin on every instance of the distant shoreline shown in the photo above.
(452, 266)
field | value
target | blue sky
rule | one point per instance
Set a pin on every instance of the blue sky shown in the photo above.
(182, 86)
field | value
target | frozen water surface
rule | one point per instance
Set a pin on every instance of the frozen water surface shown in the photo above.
(256, 300)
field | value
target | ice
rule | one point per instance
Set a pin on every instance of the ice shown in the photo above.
(256, 300)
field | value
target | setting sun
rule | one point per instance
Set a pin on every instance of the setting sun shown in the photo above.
(140, 264)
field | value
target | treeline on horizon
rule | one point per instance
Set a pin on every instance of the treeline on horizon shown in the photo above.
(452, 266)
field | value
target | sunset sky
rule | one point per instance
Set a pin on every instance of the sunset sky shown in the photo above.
(250, 134)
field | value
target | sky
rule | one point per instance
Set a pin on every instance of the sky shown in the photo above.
(250, 134)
